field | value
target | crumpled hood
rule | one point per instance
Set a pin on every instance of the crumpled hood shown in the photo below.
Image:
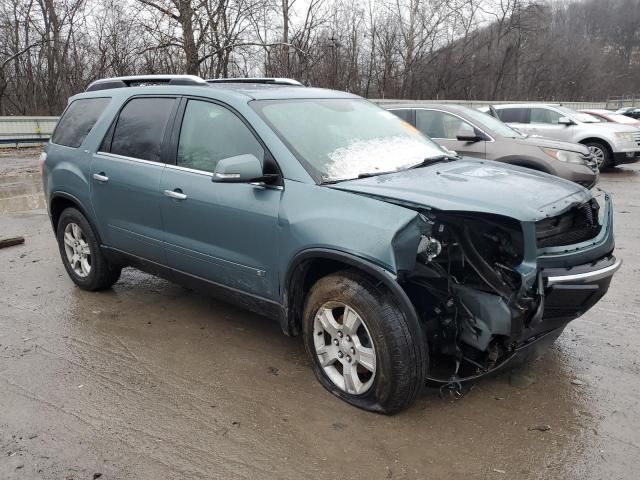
(543, 142)
(474, 186)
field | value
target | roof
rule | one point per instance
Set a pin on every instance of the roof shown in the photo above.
(261, 91)
(253, 88)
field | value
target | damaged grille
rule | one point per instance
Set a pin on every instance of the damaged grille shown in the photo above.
(577, 225)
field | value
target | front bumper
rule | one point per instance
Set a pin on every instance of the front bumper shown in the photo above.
(626, 157)
(570, 292)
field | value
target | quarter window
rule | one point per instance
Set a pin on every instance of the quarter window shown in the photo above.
(78, 120)
(442, 125)
(210, 133)
(140, 128)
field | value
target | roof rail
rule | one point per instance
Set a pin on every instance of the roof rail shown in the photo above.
(265, 80)
(121, 82)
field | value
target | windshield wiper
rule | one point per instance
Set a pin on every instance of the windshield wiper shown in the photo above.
(426, 162)
(437, 159)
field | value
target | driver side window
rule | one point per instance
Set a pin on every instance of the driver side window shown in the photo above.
(543, 115)
(442, 125)
(210, 133)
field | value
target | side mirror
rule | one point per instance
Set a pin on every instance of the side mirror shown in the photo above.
(466, 136)
(239, 169)
(565, 121)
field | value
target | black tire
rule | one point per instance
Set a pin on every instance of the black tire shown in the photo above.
(102, 274)
(607, 161)
(400, 351)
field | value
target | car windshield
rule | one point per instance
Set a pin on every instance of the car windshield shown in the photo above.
(617, 118)
(492, 123)
(340, 139)
(578, 116)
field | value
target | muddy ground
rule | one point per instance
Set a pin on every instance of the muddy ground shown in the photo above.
(151, 381)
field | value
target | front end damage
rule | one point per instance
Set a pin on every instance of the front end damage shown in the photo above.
(488, 287)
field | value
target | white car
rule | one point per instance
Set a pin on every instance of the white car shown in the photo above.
(610, 143)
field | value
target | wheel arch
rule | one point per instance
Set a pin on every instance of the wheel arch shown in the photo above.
(310, 265)
(604, 142)
(526, 162)
(59, 202)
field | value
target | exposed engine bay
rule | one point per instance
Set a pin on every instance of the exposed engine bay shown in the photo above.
(479, 296)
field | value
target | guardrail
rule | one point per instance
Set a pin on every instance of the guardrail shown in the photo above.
(486, 103)
(26, 130)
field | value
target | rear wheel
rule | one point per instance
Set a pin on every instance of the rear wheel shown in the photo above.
(360, 344)
(601, 154)
(81, 254)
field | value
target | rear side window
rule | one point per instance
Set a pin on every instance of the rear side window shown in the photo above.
(140, 128)
(514, 115)
(78, 120)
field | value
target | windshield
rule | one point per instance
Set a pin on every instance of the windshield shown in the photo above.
(617, 118)
(492, 123)
(578, 116)
(340, 139)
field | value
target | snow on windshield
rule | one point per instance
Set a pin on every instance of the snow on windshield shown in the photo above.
(376, 155)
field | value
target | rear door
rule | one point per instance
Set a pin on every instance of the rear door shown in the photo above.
(223, 232)
(444, 127)
(126, 174)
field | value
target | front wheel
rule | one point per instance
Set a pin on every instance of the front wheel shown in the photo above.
(601, 154)
(81, 255)
(360, 344)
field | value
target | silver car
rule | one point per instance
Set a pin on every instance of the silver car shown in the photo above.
(475, 134)
(611, 143)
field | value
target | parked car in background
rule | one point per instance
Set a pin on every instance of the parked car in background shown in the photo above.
(611, 143)
(395, 261)
(613, 117)
(632, 112)
(472, 133)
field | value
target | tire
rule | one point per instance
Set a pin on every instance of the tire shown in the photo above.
(604, 157)
(90, 269)
(383, 340)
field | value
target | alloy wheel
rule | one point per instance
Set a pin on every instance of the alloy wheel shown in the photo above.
(77, 249)
(598, 154)
(344, 347)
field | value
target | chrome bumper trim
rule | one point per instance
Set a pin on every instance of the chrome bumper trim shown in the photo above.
(587, 276)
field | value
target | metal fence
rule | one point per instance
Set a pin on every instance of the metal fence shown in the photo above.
(15, 131)
(485, 103)
(26, 130)
(615, 103)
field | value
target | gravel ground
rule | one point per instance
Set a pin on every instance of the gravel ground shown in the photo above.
(152, 381)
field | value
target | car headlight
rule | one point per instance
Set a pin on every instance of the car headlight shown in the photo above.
(565, 156)
(625, 136)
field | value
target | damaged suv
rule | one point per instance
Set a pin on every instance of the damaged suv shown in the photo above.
(395, 261)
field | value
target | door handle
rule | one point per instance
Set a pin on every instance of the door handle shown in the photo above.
(177, 194)
(101, 177)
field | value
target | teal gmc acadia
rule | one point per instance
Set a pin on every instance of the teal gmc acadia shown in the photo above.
(396, 261)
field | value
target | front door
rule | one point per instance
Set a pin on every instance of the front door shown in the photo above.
(444, 127)
(222, 232)
(544, 122)
(125, 179)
